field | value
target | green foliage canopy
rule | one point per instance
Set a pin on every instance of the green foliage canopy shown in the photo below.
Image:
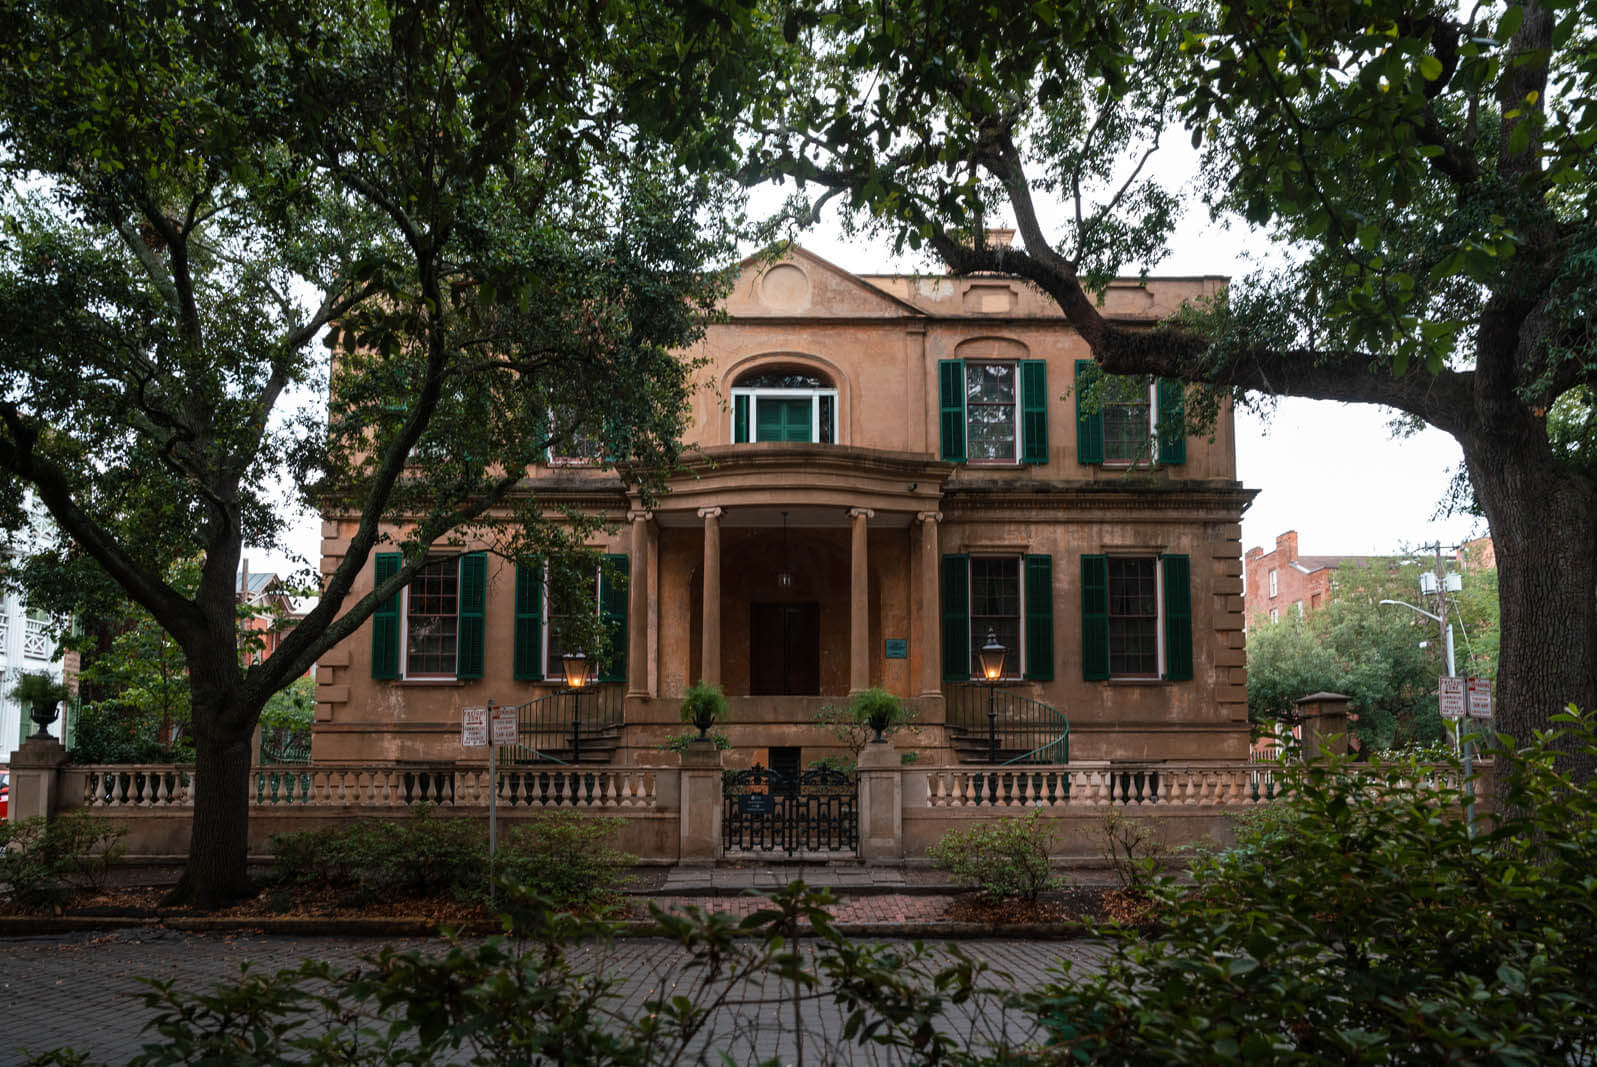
(483, 207)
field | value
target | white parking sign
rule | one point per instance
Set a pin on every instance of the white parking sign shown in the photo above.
(1452, 698)
(474, 727)
(1480, 698)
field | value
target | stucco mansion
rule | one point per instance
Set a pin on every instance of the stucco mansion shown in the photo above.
(888, 474)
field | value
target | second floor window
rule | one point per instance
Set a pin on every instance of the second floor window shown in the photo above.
(784, 405)
(993, 411)
(432, 607)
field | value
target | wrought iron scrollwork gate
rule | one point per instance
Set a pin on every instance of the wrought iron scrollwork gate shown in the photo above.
(766, 811)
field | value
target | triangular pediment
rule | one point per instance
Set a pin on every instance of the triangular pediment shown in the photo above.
(802, 284)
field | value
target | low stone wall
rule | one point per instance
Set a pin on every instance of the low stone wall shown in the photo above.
(156, 803)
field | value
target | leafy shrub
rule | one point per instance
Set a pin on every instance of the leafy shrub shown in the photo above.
(679, 742)
(418, 856)
(1002, 858)
(565, 858)
(1133, 848)
(560, 855)
(42, 862)
(1369, 926)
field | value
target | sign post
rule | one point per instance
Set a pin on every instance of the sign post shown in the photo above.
(1453, 694)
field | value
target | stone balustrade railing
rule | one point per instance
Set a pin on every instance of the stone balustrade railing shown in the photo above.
(1098, 786)
(377, 786)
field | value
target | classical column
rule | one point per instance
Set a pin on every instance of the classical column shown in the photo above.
(931, 637)
(859, 608)
(638, 607)
(710, 640)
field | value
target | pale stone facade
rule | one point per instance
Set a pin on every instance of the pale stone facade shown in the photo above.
(838, 527)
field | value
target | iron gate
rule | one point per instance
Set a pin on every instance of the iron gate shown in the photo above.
(766, 811)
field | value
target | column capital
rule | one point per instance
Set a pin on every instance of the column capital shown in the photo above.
(929, 516)
(861, 513)
(710, 513)
(639, 515)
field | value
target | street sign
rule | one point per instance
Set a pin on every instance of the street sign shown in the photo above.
(474, 727)
(1452, 697)
(1480, 698)
(505, 725)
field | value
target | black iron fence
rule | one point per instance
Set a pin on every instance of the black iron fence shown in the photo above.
(766, 811)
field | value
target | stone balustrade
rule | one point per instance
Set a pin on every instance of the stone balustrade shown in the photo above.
(374, 786)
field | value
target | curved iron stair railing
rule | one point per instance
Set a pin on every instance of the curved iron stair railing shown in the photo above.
(1028, 731)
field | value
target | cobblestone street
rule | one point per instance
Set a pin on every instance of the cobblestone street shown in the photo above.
(81, 990)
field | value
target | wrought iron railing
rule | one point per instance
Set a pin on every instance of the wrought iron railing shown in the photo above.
(563, 722)
(1020, 729)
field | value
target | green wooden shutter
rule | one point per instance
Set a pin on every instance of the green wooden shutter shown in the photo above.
(1177, 618)
(956, 618)
(1095, 618)
(469, 617)
(1034, 410)
(1171, 419)
(613, 581)
(529, 622)
(385, 621)
(1089, 424)
(951, 404)
(1040, 618)
(740, 419)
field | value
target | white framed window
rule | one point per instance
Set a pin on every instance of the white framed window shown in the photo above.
(997, 606)
(1273, 588)
(1128, 426)
(432, 619)
(992, 422)
(1298, 604)
(565, 590)
(784, 404)
(1275, 615)
(1135, 646)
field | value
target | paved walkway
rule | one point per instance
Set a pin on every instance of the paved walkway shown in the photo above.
(82, 990)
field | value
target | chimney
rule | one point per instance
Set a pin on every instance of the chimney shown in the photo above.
(1000, 238)
(1286, 546)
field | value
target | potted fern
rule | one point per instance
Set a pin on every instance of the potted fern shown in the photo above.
(704, 706)
(42, 694)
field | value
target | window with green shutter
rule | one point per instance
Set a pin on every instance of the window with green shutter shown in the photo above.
(385, 620)
(528, 664)
(601, 587)
(1034, 410)
(1089, 417)
(1094, 617)
(951, 406)
(1177, 617)
(1172, 421)
(791, 404)
(1127, 602)
(956, 617)
(1129, 420)
(613, 578)
(470, 631)
(1040, 618)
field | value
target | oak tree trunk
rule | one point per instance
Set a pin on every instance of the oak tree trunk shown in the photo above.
(217, 871)
(1544, 531)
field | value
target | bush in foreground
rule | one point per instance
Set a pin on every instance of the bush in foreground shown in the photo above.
(560, 855)
(1001, 858)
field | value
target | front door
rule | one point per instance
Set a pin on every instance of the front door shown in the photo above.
(785, 649)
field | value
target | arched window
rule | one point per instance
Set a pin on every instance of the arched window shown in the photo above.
(784, 404)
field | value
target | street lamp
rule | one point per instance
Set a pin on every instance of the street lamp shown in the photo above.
(992, 669)
(1447, 631)
(577, 669)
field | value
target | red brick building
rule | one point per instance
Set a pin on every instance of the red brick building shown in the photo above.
(1282, 581)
